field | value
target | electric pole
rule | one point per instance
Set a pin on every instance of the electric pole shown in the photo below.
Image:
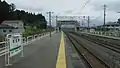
(56, 23)
(83, 24)
(104, 14)
(49, 13)
(88, 23)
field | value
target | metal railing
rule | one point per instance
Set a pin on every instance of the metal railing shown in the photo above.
(25, 41)
(105, 34)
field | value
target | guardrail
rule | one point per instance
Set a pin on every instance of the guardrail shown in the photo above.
(2, 42)
(2, 50)
(25, 41)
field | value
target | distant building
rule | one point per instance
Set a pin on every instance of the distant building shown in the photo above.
(15, 26)
(113, 26)
(68, 25)
(110, 26)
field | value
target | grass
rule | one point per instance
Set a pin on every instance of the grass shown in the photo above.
(33, 30)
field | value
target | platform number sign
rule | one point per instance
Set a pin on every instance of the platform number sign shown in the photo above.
(13, 46)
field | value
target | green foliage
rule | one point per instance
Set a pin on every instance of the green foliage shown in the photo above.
(31, 30)
(34, 23)
(118, 21)
(4, 10)
(9, 12)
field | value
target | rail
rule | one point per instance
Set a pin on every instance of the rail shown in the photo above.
(111, 46)
(87, 54)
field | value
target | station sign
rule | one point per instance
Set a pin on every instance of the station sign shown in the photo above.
(14, 44)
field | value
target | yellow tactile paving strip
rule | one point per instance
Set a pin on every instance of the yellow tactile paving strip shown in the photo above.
(61, 60)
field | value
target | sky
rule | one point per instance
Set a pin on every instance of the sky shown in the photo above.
(93, 8)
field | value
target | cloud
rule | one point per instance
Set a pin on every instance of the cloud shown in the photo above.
(71, 7)
(28, 5)
(69, 11)
(66, 6)
(31, 9)
(112, 5)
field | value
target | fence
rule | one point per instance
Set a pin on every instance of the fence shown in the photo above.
(25, 41)
(114, 35)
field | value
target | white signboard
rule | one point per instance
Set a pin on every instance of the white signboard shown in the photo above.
(14, 44)
(13, 47)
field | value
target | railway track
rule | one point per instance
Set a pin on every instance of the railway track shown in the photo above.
(112, 46)
(106, 40)
(90, 58)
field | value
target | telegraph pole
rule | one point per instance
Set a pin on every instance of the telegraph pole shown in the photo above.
(88, 23)
(56, 23)
(56, 20)
(49, 13)
(104, 14)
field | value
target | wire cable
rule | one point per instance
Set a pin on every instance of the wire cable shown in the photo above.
(84, 5)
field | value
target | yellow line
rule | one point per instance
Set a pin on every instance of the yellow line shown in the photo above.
(61, 60)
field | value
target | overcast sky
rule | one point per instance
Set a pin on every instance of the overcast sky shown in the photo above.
(94, 8)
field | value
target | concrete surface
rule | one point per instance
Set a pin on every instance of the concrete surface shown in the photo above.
(43, 53)
(39, 54)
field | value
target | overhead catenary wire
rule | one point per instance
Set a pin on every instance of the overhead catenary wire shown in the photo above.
(98, 17)
(90, 21)
(84, 5)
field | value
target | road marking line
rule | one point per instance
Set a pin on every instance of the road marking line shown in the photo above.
(61, 60)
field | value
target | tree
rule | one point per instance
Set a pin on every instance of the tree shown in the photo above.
(12, 7)
(4, 10)
(9, 12)
(118, 21)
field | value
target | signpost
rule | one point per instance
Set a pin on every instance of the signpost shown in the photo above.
(13, 47)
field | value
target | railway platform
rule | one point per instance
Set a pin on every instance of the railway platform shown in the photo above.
(54, 52)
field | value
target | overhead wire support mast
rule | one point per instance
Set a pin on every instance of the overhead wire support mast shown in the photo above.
(56, 22)
(50, 20)
(104, 14)
(104, 17)
(88, 23)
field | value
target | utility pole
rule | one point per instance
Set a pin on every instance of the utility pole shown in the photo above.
(104, 14)
(88, 23)
(56, 20)
(49, 13)
(83, 21)
(56, 23)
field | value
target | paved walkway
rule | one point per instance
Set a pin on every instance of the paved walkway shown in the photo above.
(55, 52)
(39, 54)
